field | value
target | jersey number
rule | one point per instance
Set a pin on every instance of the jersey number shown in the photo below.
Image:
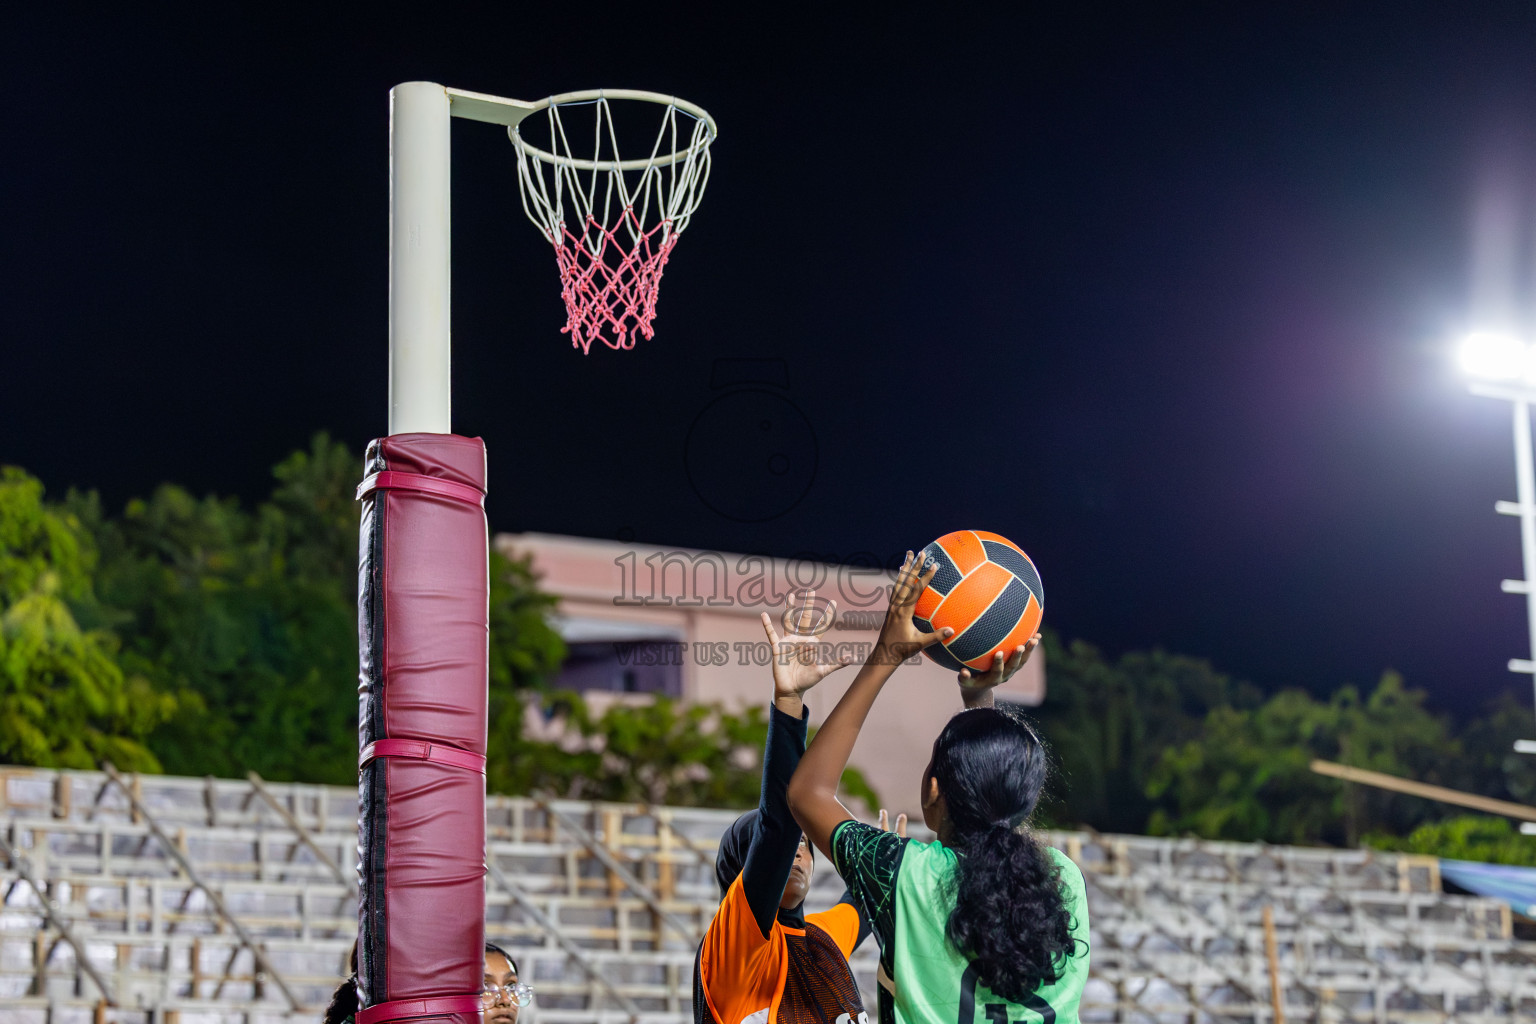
(996, 1013)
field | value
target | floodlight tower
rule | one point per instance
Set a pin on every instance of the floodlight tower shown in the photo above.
(1504, 367)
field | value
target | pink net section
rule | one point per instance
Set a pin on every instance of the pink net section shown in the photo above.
(613, 222)
(610, 293)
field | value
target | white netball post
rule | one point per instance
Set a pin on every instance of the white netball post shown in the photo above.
(612, 222)
(420, 278)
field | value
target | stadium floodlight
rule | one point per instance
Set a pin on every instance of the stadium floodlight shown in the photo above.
(1506, 369)
(1488, 355)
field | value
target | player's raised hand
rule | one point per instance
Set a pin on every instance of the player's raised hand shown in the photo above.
(800, 661)
(973, 685)
(1001, 669)
(899, 636)
(885, 823)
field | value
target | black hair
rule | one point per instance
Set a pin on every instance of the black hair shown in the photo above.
(344, 999)
(1009, 918)
(491, 947)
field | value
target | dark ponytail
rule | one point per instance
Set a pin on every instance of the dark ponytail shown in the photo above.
(343, 1002)
(1009, 919)
(344, 999)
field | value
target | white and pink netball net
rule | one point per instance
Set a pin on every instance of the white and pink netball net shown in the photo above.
(613, 222)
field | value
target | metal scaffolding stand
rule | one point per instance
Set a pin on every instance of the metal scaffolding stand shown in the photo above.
(135, 899)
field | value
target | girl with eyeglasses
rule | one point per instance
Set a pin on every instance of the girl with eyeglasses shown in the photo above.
(501, 996)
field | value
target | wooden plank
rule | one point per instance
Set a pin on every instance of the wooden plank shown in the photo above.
(195, 958)
(666, 882)
(211, 800)
(1272, 957)
(612, 825)
(1440, 794)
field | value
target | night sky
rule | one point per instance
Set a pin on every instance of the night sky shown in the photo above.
(1167, 298)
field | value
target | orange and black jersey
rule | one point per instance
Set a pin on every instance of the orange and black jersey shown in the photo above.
(790, 976)
(758, 964)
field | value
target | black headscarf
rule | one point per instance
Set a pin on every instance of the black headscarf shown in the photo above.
(732, 854)
(731, 858)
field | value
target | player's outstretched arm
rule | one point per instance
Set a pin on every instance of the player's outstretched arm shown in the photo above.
(799, 663)
(976, 690)
(813, 790)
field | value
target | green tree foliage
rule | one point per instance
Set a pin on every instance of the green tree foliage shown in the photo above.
(652, 752)
(250, 616)
(65, 702)
(1465, 837)
(1160, 743)
(1391, 731)
(1488, 755)
(1109, 722)
(1248, 775)
(525, 654)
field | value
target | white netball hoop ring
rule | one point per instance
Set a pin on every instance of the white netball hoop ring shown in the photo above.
(693, 110)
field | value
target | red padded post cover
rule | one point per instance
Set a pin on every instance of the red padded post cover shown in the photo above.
(423, 591)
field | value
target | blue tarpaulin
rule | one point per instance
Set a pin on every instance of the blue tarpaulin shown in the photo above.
(1515, 886)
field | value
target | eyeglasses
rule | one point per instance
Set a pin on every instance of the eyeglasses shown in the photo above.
(515, 995)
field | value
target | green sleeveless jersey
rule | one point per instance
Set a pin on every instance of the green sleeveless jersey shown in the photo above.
(907, 891)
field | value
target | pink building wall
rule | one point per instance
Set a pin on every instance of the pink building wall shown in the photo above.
(710, 602)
